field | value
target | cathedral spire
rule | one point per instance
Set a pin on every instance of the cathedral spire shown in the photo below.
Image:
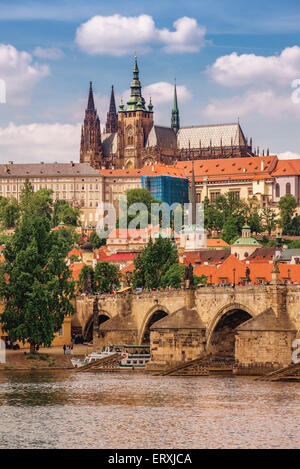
(91, 146)
(175, 121)
(91, 105)
(112, 116)
(135, 90)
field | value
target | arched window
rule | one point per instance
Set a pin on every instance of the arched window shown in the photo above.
(288, 188)
(277, 190)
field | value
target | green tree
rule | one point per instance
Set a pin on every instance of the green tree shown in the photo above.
(153, 262)
(4, 238)
(295, 244)
(35, 282)
(287, 206)
(230, 229)
(200, 279)
(173, 276)
(39, 202)
(269, 219)
(64, 213)
(141, 196)
(74, 259)
(293, 228)
(254, 221)
(107, 277)
(9, 212)
(86, 281)
(96, 241)
(226, 205)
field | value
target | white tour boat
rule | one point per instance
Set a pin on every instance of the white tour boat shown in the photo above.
(132, 356)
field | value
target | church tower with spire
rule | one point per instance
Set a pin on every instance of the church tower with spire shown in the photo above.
(135, 123)
(90, 146)
(112, 115)
(175, 121)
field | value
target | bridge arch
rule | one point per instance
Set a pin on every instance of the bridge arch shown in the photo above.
(89, 325)
(220, 334)
(156, 313)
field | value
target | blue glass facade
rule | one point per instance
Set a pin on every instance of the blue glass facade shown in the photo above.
(169, 189)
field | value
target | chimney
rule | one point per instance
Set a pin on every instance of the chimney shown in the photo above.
(71, 163)
(262, 165)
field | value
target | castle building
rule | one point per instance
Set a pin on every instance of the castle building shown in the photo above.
(132, 140)
(78, 184)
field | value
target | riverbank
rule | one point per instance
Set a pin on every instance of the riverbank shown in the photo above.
(48, 358)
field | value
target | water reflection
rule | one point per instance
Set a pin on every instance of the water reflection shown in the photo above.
(126, 410)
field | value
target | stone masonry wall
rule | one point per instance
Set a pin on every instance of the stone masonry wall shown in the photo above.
(264, 347)
(172, 346)
(115, 338)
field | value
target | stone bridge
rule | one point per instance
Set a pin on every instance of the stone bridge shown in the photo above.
(219, 312)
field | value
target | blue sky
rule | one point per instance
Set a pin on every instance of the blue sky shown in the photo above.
(231, 59)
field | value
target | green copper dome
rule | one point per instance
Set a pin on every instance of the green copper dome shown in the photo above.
(243, 241)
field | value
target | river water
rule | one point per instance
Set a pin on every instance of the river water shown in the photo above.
(134, 410)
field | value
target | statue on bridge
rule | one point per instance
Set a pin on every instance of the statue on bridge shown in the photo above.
(248, 280)
(275, 265)
(188, 277)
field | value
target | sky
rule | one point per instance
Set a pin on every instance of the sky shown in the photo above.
(233, 60)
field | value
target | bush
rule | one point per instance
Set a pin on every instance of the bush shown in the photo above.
(31, 356)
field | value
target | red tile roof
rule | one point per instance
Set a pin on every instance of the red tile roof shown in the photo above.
(231, 168)
(158, 169)
(76, 269)
(211, 242)
(287, 168)
(262, 271)
(75, 252)
(122, 256)
(127, 268)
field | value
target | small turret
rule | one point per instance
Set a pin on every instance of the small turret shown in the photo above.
(150, 106)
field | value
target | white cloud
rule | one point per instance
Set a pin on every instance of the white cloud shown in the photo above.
(288, 155)
(264, 102)
(250, 69)
(19, 73)
(119, 35)
(257, 102)
(52, 53)
(39, 142)
(187, 37)
(163, 92)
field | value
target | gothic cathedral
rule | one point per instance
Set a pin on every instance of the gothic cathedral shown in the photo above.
(131, 140)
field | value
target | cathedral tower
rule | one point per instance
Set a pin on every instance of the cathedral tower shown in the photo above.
(90, 146)
(135, 123)
(175, 121)
(112, 116)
